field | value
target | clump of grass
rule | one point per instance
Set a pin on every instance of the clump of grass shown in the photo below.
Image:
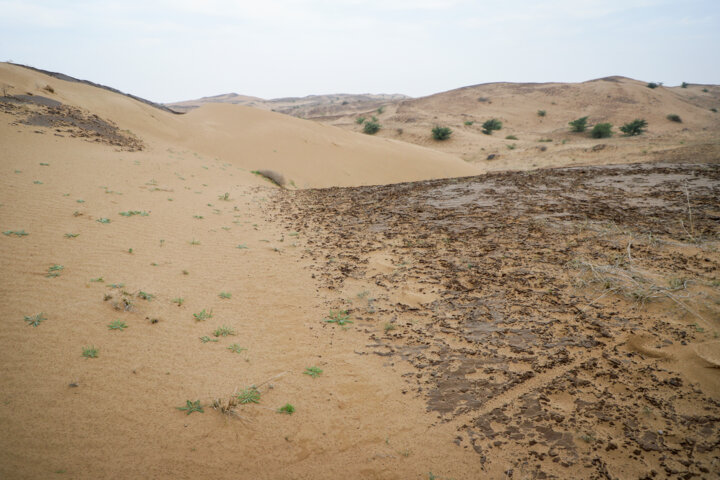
(545, 140)
(223, 331)
(116, 285)
(541, 113)
(389, 327)
(225, 295)
(71, 235)
(37, 182)
(89, 352)
(235, 348)
(198, 217)
(653, 85)
(673, 117)
(179, 301)
(511, 137)
(248, 395)
(17, 233)
(97, 280)
(194, 242)
(207, 339)
(34, 320)
(360, 120)
(145, 295)
(103, 220)
(242, 246)
(202, 315)
(54, 271)
(511, 146)
(191, 407)
(131, 213)
(287, 409)
(117, 325)
(468, 123)
(225, 197)
(341, 317)
(314, 372)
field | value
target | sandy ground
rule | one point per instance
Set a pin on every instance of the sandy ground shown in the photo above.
(553, 324)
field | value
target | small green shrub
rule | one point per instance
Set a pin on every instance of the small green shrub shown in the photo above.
(287, 409)
(380, 110)
(705, 90)
(578, 125)
(341, 317)
(314, 372)
(674, 118)
(249, 395)
(203, 315)
(34, 320)
(225, 295)
(636, 127)
(360, 120)
(652, 85)
(511, 137)
(714, 110)
(235, 348)
(191, 407)
(223, 331)
(490, 125)
(468, 123)
(117, 325)
(601, 130)
(511, 146)
(441, 133)
(684, 85)
(541, 113)
(371, 127)
(89, 352)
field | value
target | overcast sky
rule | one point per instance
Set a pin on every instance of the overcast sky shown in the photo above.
(168, 50)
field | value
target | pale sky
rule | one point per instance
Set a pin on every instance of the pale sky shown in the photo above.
(169, 50)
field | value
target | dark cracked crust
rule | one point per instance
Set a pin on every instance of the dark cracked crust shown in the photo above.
(547, 327)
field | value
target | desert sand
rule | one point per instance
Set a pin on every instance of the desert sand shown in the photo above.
(553, 323)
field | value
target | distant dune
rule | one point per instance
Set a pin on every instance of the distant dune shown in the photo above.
(306, 153)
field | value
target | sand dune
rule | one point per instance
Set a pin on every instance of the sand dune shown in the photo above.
(155, 289)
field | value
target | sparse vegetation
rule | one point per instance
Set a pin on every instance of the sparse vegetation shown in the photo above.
(117, 325)
(653, 85)
(684, 85)
(223, 331)
(103, 220)
(341, 317)
(235, 348)
(578, 125)
(371, 127)
(248, 395)
(601, 130)
(34, 320)
(511, 146)
(17, 233)
(89, 352)
(673, 117)
(71, 235)
(541, 113)
(207, 339)
(191, 407)
(225, 295)
(389, 327)
(225, 197)
(511, 137)
(132, 213)
(202, 315)
(441, 133)
(54, 271)
(360, 120)
(314, 372)
(287, 409)
(468, 123)
(145, 295)
(636, 127)
(380, 110)
(489, 125)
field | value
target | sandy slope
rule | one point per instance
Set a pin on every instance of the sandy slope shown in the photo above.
(116, 416)
(616, 100)
(308, 153)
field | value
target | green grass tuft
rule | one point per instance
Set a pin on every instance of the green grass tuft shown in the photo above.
(191, 407)
(89, 352)
(203, 315)
(34, 320)
(117, 325)
(341, 317)
(314, 372)
(248, 395)
(287, 409)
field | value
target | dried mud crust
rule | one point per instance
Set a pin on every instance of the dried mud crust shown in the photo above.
(39, 111)
(542, 312)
